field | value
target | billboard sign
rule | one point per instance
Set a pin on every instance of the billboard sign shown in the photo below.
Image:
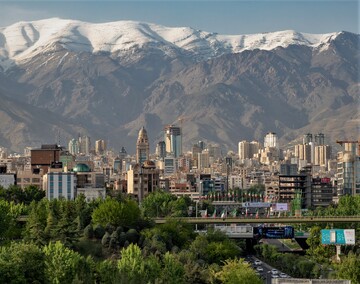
(338, 237)
(256, 204)
(281, 207)
(286, 232)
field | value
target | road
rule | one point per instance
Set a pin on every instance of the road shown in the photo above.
(266, 274)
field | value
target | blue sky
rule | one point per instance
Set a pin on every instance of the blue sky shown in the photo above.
(224, 17)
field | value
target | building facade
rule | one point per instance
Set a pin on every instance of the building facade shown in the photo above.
(142, 147)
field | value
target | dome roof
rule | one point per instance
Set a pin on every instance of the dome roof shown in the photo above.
(81, 168)
(142, 137)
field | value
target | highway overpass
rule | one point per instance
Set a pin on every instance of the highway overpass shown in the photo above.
(271, 220)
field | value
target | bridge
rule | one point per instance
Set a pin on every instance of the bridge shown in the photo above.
(270, 220)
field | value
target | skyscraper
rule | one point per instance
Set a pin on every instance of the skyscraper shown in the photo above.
(100, 146)
(161, 149)
(74, 146)
(173, 140)
(142, 147)
(320, 139)
(271, 140)
(307, 138)
(84, 142)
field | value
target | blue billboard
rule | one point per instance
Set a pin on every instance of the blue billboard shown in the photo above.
(286, 232)
(338, 237)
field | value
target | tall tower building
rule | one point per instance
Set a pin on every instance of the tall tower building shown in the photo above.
(173, 140)
(244, 149)
(322, 155)
(271, 140)
(307, 138)
(100, 146)
(84, 143)
(160, 149)
(142, 147)
(320, 139)
(74, 147)
(248, 149)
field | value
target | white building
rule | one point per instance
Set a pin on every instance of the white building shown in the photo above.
(60, 185)
(271, 140)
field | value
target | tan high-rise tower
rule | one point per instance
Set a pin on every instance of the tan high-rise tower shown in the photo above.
(142, 147)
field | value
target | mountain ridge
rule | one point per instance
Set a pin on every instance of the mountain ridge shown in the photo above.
(23, 40)
(224, 98)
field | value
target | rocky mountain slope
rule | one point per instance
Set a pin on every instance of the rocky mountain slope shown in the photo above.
(108, 80)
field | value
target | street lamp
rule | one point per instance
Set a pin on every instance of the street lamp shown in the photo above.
(196, 212)
(268, 277)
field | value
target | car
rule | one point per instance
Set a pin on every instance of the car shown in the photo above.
(274, 271)
(258, 262)
(274, 276)
(283, 275)
(260, 269)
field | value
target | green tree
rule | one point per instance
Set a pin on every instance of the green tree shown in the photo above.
(61, 263)
(236, 271)
(33, 193)
(131, 265)
(107, 272)
(158, 204)
(173, 271)
(117, 213)
(5, 218)
(67, 228)
(349, 268)
(217, 252)
(318, 252)
(36, 224)
(22, 263)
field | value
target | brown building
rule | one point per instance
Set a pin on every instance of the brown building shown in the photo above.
(45, 156)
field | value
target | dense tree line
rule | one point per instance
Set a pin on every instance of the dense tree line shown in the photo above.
(115, 241)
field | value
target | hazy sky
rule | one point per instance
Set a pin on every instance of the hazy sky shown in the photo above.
(225, 17)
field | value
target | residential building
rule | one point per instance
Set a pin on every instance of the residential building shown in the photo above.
(142, 180)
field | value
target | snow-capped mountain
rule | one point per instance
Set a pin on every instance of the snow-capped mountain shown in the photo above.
(107, 80)
(24, 40)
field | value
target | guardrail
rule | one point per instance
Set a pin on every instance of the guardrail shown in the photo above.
(283, 220)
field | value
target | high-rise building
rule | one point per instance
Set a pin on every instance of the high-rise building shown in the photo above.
(244, 149)
(348, 174)
(320, 139)
(85, 144)
(122, 153)
(271, 140)
(142, 147)
(173, 140)
(100, 147)
(161, 149)
(214, 151)
(322, 154)
(248, 149)
(307, 138)
(201, 144)
(74, 147)
(303, 152)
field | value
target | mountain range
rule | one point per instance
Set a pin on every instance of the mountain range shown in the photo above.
(61, 78)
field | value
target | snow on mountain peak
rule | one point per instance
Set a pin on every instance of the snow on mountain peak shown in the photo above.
(23, 40)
